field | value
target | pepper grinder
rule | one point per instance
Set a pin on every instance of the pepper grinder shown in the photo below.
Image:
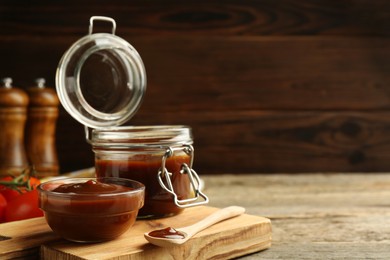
(13, 114)
(41, 128)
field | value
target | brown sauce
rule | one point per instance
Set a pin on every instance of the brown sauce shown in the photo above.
(158, 202)
(91, 187)
(168, 232)
(93, 216)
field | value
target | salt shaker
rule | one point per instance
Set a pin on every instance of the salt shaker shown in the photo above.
(13, 114)
(41, 128)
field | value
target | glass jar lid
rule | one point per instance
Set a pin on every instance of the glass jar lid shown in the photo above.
(101, 79)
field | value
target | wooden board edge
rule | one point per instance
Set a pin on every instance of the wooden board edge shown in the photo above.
(254, 237)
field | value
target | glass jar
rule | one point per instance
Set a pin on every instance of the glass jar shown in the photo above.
(101, 81)
(160, 157)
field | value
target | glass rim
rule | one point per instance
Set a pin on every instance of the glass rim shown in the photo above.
(141, 136)
(140, 188)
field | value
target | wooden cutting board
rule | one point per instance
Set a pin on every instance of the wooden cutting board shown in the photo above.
(231, 238)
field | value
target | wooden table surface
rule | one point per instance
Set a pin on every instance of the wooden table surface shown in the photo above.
(314, 216)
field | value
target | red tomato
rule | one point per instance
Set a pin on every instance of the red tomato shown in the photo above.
(23, 207)
(8, 193)
(3, 204)
(6, 178)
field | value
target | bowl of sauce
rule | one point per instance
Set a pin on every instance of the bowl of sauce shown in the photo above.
(91, 209)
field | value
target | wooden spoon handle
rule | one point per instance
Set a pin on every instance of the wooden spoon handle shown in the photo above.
(216, 217)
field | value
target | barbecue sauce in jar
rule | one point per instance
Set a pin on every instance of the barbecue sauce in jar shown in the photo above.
(157, 201)
(140, 157)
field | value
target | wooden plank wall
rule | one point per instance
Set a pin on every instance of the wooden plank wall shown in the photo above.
(267, 86)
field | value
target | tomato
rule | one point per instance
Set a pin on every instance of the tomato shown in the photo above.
(23, 206)
(8, 193)
(3, 204)
(6, 178)
(11, 193)
(21, 197)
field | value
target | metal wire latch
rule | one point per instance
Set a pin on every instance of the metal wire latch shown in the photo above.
(101, 18)
(199, 197)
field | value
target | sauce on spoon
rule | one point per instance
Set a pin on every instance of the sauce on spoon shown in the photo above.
(168, 232)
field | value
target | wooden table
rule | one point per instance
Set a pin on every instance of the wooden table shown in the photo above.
(314, 216)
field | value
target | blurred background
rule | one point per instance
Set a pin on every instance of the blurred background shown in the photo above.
(267, 86)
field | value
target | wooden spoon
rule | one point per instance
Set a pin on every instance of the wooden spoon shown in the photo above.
(170, 237)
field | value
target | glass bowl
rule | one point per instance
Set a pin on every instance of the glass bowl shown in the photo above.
(91, 214)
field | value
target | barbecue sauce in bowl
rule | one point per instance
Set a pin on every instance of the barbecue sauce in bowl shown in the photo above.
(91, 187)
(85, 210)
